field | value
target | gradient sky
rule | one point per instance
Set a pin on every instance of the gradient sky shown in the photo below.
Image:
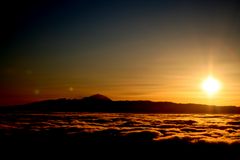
(153, 50)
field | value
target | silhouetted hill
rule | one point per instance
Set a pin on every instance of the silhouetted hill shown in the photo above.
(100, 103)
(96, 97)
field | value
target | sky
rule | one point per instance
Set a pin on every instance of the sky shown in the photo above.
(125, 49)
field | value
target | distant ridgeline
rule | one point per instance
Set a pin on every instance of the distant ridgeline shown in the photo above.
(100, 103)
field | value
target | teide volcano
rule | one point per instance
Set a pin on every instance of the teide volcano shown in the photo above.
(101, 103)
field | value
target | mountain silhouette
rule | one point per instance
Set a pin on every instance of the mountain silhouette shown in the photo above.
(101, 103)
(96, 97)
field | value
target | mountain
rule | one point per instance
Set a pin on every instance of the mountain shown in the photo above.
(96, 97)
(101, 103)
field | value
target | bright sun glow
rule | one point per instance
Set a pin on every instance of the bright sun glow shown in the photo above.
(211, 85)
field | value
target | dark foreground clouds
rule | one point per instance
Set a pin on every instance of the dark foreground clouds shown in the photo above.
(125, 136)
(193, 128)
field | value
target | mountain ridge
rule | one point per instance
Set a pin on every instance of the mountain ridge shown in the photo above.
(101, 103)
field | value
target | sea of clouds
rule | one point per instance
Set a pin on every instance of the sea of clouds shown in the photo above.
(194, 128)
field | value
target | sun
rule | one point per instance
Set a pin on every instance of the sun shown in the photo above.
(211, 85)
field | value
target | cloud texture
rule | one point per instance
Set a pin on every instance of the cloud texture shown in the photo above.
(192, 128)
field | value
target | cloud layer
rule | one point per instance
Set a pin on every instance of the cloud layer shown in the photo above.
(192, 128)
